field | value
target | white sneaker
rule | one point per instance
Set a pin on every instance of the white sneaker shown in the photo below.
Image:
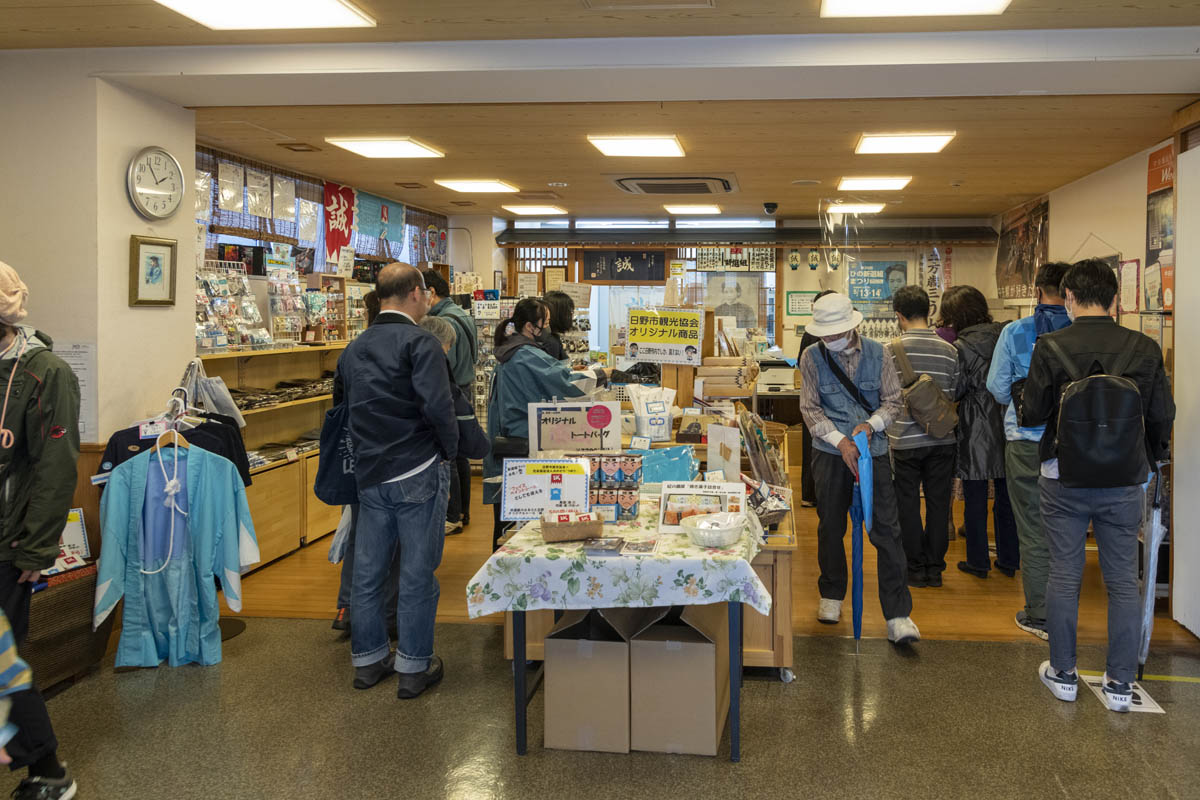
(1117, 696)
(902, 630)
(1063, 685)
(829, 611)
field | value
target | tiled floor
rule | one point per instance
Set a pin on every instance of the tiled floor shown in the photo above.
(279, 719)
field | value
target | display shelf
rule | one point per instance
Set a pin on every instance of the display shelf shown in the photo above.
(315, 348)
(291, 403)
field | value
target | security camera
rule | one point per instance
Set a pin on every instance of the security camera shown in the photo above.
(770, 208)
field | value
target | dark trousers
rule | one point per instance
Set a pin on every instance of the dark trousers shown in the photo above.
(1004, 526)
(459, 507)
(35, 735)
(1116, 517)
(835, 491)
(808, 490)
(347, 580)
(931, 468)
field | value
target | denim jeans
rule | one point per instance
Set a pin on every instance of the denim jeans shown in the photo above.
(1116, 517)
(404, 521)
(1008, 549)
(347, 582)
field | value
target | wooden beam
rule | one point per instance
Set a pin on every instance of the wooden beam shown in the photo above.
(1186, 117)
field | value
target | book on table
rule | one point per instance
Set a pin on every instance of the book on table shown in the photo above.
(607, 546)
(646, 547)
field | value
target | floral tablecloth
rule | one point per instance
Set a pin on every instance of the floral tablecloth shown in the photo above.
(528, 574)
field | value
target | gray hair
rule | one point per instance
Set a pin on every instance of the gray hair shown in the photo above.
(440, 328)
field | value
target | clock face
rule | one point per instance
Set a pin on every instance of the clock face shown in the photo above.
(155, 183)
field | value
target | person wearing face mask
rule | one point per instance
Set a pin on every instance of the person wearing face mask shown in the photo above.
(525, 373)
(850, 386)
(1022, 466)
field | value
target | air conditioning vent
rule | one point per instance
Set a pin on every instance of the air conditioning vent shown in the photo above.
(537, 195)
(646, 5)
(410, 185)
(677, 185)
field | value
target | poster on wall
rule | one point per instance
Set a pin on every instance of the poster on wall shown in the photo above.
(1160, 230)
(283, 204)
(876, 281)
(580, 293)
(230, 182)
(799, 304)
(380, 220)
(258, 193)
(665, 335)
(306, 225)
(527, 284)
(203, 196)
(340, 213)
(734, 296)
(632, 266)
(1129, 279)
(932, 278)
(1024, 246)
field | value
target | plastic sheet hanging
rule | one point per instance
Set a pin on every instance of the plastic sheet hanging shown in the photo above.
(209, 394)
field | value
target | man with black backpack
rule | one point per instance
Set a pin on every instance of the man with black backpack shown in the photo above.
(1103, 395)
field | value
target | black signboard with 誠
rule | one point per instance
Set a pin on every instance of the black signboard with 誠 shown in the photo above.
(624, 266)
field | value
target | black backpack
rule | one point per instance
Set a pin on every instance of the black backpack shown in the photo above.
(1101, 440)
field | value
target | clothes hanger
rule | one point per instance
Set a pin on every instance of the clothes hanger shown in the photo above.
(177, 440)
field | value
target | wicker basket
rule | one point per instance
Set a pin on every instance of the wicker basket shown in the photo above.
(61, 643)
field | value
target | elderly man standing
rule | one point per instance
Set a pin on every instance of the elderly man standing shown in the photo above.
(395, 382)
(850, 387)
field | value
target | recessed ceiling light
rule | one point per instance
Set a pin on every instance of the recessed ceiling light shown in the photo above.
(873, 184)
(638, 146)
(251, 15)
(874, 143)
(536, 211)
(855, 208)
(701, 209)
(386, 147)
(482, 186)
(911, 8)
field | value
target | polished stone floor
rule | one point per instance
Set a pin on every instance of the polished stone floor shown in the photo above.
(279, 719)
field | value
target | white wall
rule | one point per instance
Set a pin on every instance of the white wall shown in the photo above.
(67, 221)
(474, 249)
(1185, 578)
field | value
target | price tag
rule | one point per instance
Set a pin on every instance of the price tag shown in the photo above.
(292, 456)
(639, 443)
(715, 475)
(152, 430)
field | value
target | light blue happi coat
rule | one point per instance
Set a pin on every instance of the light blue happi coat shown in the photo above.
(172, 615)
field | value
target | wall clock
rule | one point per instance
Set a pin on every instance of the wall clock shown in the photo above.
(155, 183)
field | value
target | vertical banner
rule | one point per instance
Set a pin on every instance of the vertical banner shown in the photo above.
(339, 219)
(1160, 230)
(1024, 246)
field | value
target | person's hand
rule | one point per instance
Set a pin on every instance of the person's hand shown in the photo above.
(863, 428)
(849, 454)
(5, 758)
(29, 576)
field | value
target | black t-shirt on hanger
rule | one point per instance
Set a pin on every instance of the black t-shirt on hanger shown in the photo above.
(219, 435)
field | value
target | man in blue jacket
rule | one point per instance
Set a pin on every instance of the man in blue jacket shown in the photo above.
(397, 389)
(1022, 466)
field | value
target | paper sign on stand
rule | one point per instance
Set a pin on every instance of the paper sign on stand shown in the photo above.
(665, 335)
(73, 549)
(574, 427)
(486, 309)
(580, 293)
(690, 498)
(725, 450)
(532, 485)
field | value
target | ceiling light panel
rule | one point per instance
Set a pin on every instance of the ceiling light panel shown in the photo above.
(232, 15)
(680, 210)
(877, 143)
(874, 184)
(390, 147)
(536, 211)
(485, 186)
(912, 8)
(638, 146)
(855, 208)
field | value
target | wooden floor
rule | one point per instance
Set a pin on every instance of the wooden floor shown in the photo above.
(304, 585)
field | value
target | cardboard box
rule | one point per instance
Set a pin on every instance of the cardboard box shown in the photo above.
(587, 679)
(679, 681)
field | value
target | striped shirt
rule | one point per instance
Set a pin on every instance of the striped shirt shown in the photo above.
(14, 677)
(933, 356)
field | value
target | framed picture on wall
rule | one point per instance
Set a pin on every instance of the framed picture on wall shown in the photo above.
(152, 265)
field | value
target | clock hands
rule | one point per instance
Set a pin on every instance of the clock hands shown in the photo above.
(150, 167)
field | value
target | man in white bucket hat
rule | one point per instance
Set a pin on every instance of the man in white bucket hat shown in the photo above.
(850, 387)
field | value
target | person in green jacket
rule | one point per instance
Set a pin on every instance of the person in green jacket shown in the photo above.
(462, 357)
(39, 444)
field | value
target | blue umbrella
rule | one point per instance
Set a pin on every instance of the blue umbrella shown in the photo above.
(861, 515)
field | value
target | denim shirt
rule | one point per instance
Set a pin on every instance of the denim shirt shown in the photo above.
(842, 409)
(1010, 363)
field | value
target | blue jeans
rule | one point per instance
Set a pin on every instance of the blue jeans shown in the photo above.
(402, 521)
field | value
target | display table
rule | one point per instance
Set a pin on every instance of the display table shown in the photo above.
(528, 574)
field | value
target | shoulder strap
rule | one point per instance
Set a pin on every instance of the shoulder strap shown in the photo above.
(854, 392)
(462, 327)
(1124, 361)
(907, 374)
(1070, 366)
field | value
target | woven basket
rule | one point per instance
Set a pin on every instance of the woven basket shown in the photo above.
(61, 643)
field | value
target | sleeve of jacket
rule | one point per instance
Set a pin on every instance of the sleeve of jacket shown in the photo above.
(114, 528)
(52, 436)
(1039, 389)
(472, 441)
(431, 382)
(1000, 377)
(239, 546)
(1160, 411)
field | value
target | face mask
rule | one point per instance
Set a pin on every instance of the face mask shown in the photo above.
(838, 345)
(1070, 310)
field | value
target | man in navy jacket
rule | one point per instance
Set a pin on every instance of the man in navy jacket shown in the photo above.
(394, 380)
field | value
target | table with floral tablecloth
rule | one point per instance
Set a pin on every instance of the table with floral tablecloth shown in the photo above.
(528, 574)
